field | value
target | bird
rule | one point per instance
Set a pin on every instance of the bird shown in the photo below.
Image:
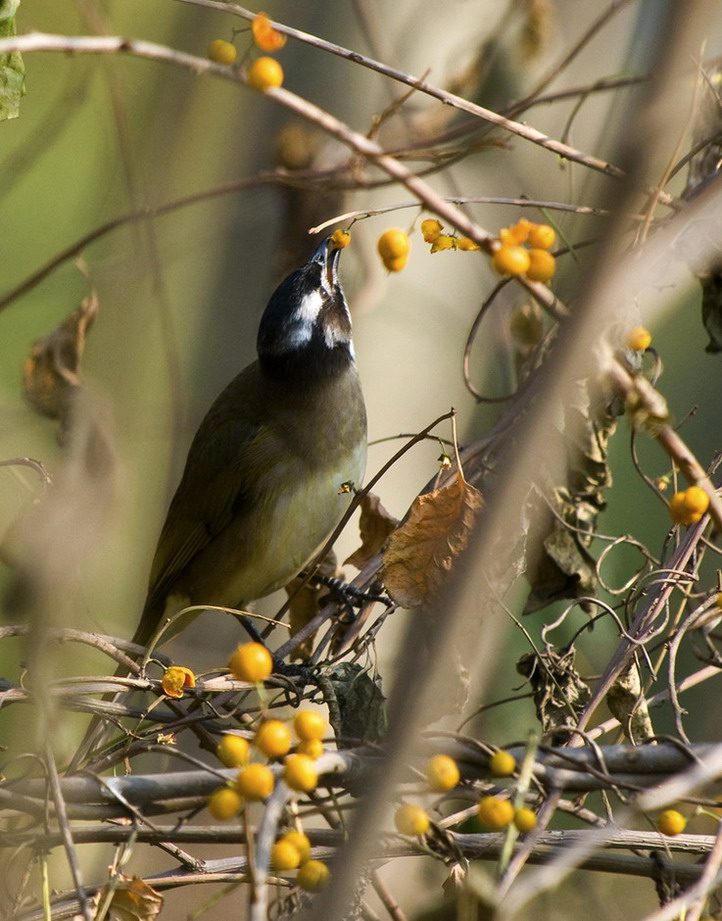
(268, 473)
(262, 486)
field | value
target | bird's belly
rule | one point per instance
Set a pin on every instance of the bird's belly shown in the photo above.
(264, 551)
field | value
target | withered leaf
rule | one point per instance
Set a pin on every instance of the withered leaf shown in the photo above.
(626, 703)
(375, 525)
(51, 373)
(420, 553)
(134, 900)
(304, 599)
(559, 692)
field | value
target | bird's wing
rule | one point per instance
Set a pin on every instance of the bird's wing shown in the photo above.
(217, 481)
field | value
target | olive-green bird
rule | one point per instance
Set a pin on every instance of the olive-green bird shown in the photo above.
(262, 485)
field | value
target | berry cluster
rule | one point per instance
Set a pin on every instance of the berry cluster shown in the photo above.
(533, 260)
(523, 248)
(442, 775)
(255, 781)
(264, 72)
(688, 506)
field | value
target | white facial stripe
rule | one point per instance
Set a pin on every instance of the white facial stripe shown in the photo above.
(309, 309)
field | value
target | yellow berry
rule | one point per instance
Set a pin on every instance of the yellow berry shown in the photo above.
(224, 803)
(466, 244)
(442, 773)
(495, 813)
(309, 724)
(696, 500)
(411, 820)
(542, 265)
(519, 232)
(688, 506)
(442, 242)
(541, 236)
(251, 662)
(430, 229)
(255, 782)
(524, 819)
(284, 856)
(313, 876)
(502, 764)
(340, 239)
(639, 339)
(510, 259)
(393, 243)
(264, 35)
(175, 679)
(301, 843)
(311, 747)
(671, 823)
(221, 52)
(397, 264)
(273, 738)
(264, 73)
(300, 773)
(232, 750)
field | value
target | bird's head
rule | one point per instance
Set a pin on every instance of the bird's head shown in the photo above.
(306, 327)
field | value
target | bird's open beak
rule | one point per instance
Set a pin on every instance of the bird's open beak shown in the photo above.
(328, 256)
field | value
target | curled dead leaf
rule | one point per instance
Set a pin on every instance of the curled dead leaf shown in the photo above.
(420, 553)
(303, 603)
(375, 525)
(133, 900)
(51, 373)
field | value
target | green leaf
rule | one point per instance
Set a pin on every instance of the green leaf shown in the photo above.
(12, 69)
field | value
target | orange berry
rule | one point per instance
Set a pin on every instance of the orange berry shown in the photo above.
(251, 662)
(309, 724)
(502, 764)
(224, 803)
(221, 52)
(175, 679)
(300, 842)
(639, 339)
(284, 856)
(411, 820)
(696, 500)
(671, 823)
(430, 229)
(519, 232)
(393, 243)
(466, 244)
(524, 819)
(442, 773)
(311, 747)
(542, 236)
(264, 73)
(340, 239)
(232, 750)
(264, 35)
(689, 505)
(300, 773)
(495, 813)
(313, 876)
(255, 781)
(510, 260)
(542, 265)
(397, 264)
(273, 738)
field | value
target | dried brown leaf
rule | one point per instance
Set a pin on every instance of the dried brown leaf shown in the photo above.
(51, 373)
(420, 553)
(133, 900)
(303, 605)
(375, 525)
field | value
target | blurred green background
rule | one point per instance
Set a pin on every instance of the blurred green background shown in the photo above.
(180, 295)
